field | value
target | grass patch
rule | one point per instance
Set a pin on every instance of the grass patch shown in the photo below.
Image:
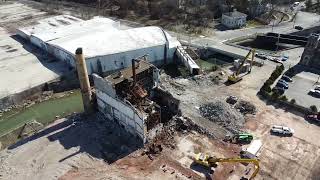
(175, 70)
(44, 112)
(253, 23)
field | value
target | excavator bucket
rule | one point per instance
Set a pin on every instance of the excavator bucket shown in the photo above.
(234, 78)
(210, 161)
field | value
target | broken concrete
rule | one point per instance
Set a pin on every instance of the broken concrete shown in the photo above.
(223, 114)
(31, 128)
(131, 97)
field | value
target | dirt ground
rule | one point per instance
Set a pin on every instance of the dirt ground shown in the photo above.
(96, 149)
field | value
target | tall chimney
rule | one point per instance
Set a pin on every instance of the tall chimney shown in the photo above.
(84, 80)
(134, 71)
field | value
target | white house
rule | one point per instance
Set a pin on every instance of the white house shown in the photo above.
(234, 19)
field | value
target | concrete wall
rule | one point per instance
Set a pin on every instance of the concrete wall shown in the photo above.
(62, 55)
(38, 42)
(122, 60)
(22, 34)
(112, 62)
(119, 111)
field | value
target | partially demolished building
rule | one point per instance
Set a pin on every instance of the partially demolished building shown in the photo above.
(132, 98)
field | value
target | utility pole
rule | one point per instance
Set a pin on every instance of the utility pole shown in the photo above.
(98, 7)
(278, 42)
(272, 25)
(294, 18)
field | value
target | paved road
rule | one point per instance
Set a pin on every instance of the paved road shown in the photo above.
(304, 19)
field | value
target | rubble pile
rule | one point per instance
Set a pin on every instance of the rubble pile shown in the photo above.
(164, 138)
(30, 128)
(246, 107)
(184, 124)
(223, 114)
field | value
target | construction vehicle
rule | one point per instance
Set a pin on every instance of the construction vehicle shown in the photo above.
(209, 161)
(234, 78)
(240, 138)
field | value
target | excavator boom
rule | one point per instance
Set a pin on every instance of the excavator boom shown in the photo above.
(211, 161)
(235, 76)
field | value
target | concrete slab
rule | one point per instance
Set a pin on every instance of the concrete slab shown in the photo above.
(23, 66)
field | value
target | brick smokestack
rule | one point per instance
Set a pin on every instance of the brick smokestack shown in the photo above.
(84, 80)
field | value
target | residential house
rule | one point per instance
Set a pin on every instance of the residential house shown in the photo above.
(234, 19)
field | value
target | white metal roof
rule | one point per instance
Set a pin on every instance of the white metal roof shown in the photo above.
(96, 24)
(113, 41)
(48, 24)
(98, 36)
(254, 147)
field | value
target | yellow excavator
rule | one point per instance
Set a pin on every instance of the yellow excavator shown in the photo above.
(209, 161)
(234, 78)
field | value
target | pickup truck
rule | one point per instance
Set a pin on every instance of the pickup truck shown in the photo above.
(282, 130)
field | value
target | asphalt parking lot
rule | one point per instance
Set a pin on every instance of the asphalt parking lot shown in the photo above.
(300, 87)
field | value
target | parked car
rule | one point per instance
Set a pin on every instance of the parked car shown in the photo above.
(313, 117)
(286, 78)
(279, 90)
(285, 58)
(298, 28)
(282, 85)
(282, 130)
(261, 55)
(283, 81)
(274, 59)
(296, 4)
(317, 88)
(314, 92)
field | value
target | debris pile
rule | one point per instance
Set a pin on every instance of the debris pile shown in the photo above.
(184, 124)
(165, 138)
(232, 100)
(223, 114)
(246, 107)
(31, 128)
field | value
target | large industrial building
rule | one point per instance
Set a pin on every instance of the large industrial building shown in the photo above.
(107, 45)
